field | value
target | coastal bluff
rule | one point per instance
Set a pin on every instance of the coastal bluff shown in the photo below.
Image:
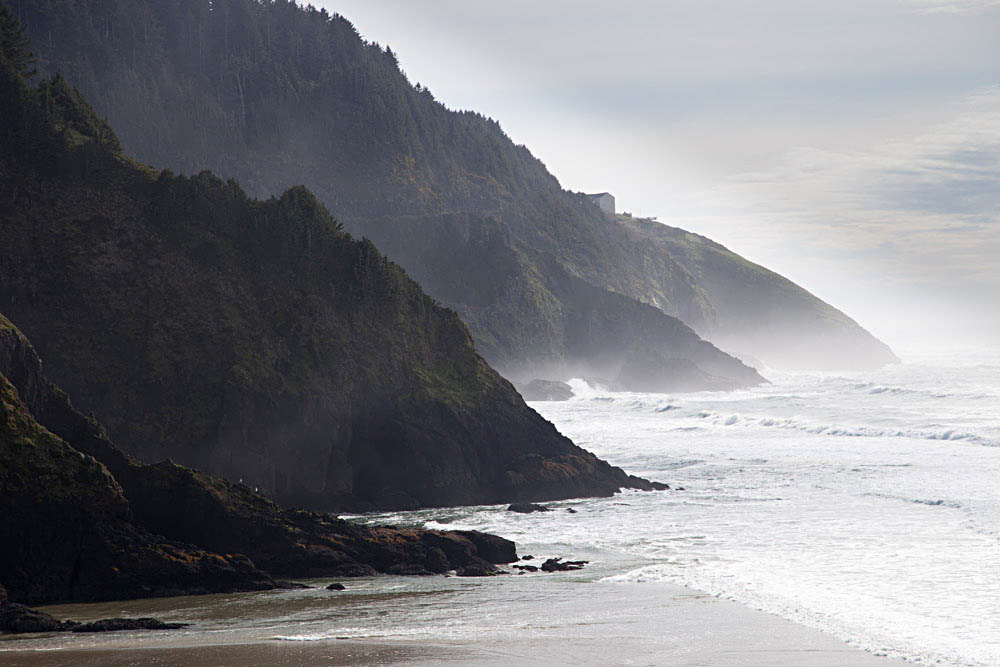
(80, 520)
(254, 340)
(551, 283)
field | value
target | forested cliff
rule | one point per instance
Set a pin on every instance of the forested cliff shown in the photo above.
(253, 339)
(80, 520)
(275, 94)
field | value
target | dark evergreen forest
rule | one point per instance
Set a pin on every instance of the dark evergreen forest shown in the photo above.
(207, 79)
(276, 94)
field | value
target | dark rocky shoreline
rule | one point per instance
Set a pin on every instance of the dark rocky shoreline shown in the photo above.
(111, 527)
(253, 339)
(16, 618)
(82, 521)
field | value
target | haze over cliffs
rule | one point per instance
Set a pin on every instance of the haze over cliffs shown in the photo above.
(745, 308)
(252, 339)
(274, 95)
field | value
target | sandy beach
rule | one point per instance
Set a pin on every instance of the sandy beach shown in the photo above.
(591, 624)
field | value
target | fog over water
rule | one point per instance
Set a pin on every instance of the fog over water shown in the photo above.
(852, 146)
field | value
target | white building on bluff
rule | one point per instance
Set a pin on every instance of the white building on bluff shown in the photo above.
(606, 202)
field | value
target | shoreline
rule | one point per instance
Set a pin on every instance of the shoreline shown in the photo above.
(641, 624)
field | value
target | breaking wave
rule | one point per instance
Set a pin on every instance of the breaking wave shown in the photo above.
(790, 423)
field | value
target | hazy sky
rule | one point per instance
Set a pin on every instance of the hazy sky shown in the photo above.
(853, 146)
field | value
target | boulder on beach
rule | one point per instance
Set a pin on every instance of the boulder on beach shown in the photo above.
(17, 618)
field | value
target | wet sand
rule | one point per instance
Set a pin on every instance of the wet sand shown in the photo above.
(606, 625)
(246, 655)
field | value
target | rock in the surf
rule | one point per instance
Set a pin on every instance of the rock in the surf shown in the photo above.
(527, 508)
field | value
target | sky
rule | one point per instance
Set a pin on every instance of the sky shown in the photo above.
(852, 146)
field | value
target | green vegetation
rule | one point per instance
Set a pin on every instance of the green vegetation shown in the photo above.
(274, 94)
(66, 530)
(15, 47)
(254, 339)
(82, 520)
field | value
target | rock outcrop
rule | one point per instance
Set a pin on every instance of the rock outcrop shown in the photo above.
(560, 565)
(65, 526)
(119, 624)
(70, 531)
(16, 618)
(527, 508)
(546, 390)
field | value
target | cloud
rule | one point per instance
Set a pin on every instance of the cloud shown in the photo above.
(911, 221)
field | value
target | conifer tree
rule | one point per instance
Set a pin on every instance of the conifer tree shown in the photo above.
(14, 45)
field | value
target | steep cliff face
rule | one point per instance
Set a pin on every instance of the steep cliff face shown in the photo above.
(65, 527)
(255, 340)
(70, 531)
(743, 307)
(231, 86)
(499, 287)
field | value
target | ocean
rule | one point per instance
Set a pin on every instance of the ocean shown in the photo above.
(864, 505)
